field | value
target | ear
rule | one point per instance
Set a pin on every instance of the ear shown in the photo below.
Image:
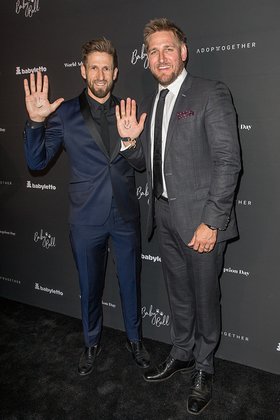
(83, 71)
(184, 52)
(115, 73)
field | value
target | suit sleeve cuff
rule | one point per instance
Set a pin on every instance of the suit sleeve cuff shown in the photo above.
(34, 124)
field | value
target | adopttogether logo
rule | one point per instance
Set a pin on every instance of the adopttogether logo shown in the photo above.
(20, 71)
(225, 47)
(48, 290)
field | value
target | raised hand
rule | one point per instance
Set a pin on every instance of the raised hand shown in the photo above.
(36, 98)
(127, 123)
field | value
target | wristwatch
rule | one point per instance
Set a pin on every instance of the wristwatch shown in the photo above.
(131, 141)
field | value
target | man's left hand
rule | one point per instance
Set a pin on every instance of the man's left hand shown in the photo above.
(204, 239)
(128, 126)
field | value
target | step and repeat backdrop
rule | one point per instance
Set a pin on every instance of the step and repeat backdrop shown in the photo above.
(236, 42)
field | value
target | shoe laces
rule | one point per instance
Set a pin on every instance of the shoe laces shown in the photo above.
(199, 379)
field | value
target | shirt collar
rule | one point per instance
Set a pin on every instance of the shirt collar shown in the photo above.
(97, 105)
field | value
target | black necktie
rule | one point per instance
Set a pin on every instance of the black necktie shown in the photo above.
(157, 162)
(104, 129)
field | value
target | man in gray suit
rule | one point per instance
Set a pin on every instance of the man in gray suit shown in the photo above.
(192, 156)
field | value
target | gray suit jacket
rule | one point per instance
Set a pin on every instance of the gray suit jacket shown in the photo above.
(202, 158)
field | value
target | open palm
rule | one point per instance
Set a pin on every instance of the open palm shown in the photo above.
(127, 123)
(36, 98)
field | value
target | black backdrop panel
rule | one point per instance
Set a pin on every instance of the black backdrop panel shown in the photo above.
(236, 42)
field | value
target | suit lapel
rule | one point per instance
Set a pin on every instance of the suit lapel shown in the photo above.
(180, 104)
(115, 152)
(86, 113)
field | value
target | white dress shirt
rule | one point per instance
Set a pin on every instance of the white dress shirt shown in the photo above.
(170, 99)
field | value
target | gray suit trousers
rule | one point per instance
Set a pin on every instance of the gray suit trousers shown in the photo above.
(192, 282)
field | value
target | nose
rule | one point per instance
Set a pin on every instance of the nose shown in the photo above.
(161, 56)
(100, 74)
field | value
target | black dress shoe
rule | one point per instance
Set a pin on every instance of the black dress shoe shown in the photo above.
(139, 353)
(167, 369)
(200, 393)
(87, 359)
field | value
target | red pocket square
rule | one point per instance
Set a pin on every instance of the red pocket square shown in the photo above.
(185, 114)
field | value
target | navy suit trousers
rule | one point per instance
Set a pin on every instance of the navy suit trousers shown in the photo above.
(90, 249)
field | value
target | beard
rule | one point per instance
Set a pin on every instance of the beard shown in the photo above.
(167, 79)
(100, 91)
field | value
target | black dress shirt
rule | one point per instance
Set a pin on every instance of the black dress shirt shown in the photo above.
(109, 107)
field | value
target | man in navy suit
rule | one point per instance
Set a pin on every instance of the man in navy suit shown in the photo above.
(102, 193)
(193, 162)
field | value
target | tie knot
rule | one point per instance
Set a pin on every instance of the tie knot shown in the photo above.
(163, 93)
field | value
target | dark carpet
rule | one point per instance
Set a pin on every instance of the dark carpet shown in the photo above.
(39, 353)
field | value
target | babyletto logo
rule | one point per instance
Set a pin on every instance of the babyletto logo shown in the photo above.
(226, 47)
(73, 64)
(156, 316)
(234, 336)
(42, 187)
(151, 258)
(140, 56)
(10, 280)
(28, 7)
(142, 191)
(20, 70)
(45, 239)
(238, 271)
(2, 130)
(8, 233)
(245, 127)
(47, 290)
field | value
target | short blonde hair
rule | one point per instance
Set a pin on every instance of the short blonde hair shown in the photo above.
(163, 24)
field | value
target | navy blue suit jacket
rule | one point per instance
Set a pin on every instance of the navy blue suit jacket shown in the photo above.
(95, 177)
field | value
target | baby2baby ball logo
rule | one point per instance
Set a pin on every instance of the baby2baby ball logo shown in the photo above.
(27, 7)
(45, 239)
